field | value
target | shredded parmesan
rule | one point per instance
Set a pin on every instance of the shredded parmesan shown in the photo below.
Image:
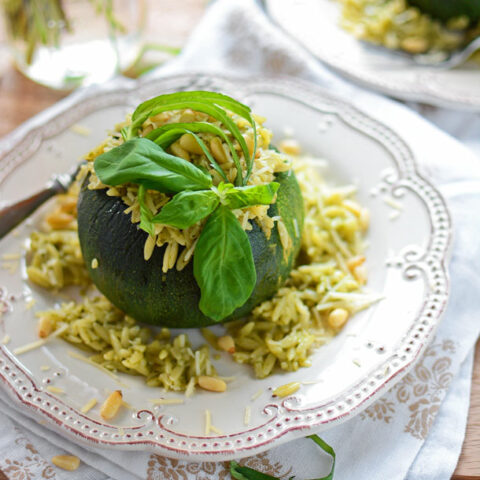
(80, 130)
(56, 390)
(391, 202)
(256, 395)
(208, 422)
(39, 343)
(89, 405)
(11, 256)
(166, 401)
(44, 368)
(248, 414)
(30, 304)
(6, 339)
(100, 367)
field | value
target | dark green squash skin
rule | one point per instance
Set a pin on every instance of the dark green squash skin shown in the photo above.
(143, 291)
(444, 10)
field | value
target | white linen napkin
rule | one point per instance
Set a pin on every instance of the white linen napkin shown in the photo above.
(408, 433)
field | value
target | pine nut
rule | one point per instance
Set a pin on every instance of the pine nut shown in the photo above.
(249, 142)
(354, 262)
(189, 143)
(360, 274)
(414, 44)
(45, 327)
(290, 146)
(226, 344)
(212, 384)
(66, 462)
(59, 220)
(187, 117)
(287, 389)
(179, 151)
(338, 317)
(111, 405)
(217, 150)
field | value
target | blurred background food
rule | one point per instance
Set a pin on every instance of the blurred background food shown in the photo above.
(415, 26)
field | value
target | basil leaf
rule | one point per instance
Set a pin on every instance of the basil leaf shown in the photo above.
(242, 197)
(143, 162)
(223, 265)
(239, 472)
(206, 102)
(146, 215)
(187, 208)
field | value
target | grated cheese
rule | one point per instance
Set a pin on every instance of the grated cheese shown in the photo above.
(6, 339)
(248, 414)
(56, 390)
(256, 395)
(166, 401)
(89, 405)
(80, 130)
(39, 343)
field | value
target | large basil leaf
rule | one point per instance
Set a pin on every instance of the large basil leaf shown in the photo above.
(223, 265)
(242, 197)
(143, 162)
(187, 208)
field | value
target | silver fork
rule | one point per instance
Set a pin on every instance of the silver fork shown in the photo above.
(453, 60)
(12, 215)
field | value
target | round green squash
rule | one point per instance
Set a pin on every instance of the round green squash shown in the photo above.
(143, 291)
(444, 10)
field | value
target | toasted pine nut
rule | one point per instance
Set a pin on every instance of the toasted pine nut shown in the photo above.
(364, 219)
(66, 462)
(338, 317)
(414, 44)
(226, 344)
(68, 204)
(189, 143)
(249, 142)
(146, 130)
(290, 146)
(360, 274)
(45, 327)
(179, 151)
(212, 384)
(187, 117)
(111, 405)
(58, 220)
(287, 389)
(217, 150)
(354, 262)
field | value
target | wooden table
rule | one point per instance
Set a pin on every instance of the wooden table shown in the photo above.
(20, 99)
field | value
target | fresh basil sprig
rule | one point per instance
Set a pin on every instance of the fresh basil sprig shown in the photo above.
(240, 472)
(210, 103)
(223, 263)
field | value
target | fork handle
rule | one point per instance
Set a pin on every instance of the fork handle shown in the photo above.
(12, 215)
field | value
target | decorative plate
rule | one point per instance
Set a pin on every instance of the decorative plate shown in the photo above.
(406, 258)
(314, 23)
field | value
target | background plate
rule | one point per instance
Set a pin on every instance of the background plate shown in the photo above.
(314, 23)
(406, 262)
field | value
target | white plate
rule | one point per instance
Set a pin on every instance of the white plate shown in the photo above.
(314, 23)
(406, 260)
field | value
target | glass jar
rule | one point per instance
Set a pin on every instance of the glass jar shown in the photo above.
(67, 43)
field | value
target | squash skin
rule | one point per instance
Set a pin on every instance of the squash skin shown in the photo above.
(444, 10)
(143, 291)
